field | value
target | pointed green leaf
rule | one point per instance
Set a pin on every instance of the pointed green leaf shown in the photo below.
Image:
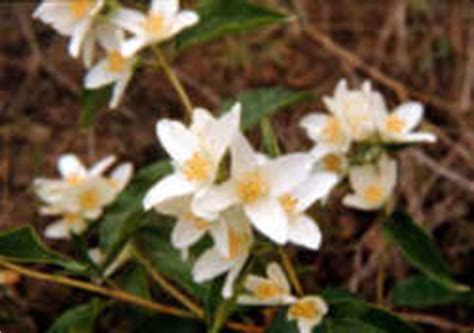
(93, 102)
(24, 245)
(261, 103)
(126, 214)
(419, 249)
(218, 18)
(135, 281)
(78, 320)
(421, 291)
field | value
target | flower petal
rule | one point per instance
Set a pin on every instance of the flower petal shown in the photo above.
(178, 141)
(129, 19)
(419, 137)
(102, 165)
(166, 8)
(244, 157)
(183, 20)
(70, 165)
(78, 36)
(119, 89)
(210, 265)
(122, 175)
(268, 217)
(275, 272)
(411, 114)
(99, 76)
(185, 234)
(313, 124)
(57, 230)
(214, 200)
(316, 187)
(304, 231)
(286, 172)
(131, 46)
(228, 289)
(169, 187)
(355, 201)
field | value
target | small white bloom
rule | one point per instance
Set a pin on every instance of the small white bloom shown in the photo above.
(256, 184)
(70, 18)
(196, 153)
(372, 184)
(357, 110)
(398, 126)
(163, 21)
(329, 160)
(273, 290)
(114, 68)
(308, 312)
(327, 131)
(81, 194)
(233, 240)
(302, 229)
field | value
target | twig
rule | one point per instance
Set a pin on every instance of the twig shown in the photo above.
(290, 270)
(435, 321)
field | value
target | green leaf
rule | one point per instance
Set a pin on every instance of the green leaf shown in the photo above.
(126, 214)
(135, 281)
(93, 102)
(154, 245)
(218, 18)
(260, 103)
(421, 291)
(24, 245)
(418, 249)
(78, 320)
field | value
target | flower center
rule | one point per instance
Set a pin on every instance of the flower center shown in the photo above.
(74, 179)
(116, 62)
(394, 124)
(332, 163)
(252, 186)
(154, 24)
(198, 222)
(267, 290)
(332, 131)
(71, 218)
(197, 168)
(288, 202)
(89, 199)
(79, 8)
(357, 113)
(304, 309)
(373, 194)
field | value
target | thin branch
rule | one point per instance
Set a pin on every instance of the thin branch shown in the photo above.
(290, 270)
(435, 321)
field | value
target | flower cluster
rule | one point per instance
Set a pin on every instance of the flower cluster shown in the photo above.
(120, 32)
(307, 311)
(80, 196)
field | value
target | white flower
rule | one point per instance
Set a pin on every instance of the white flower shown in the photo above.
(196, 153)
(329, 160)
(302, 229)
(398, 126)
(9, 277)
(81, 194)
(256, 184)
(372, 184)
(98, 258)
(274, 290)
(308, 312)
(70, 18)
(114, 68)
(233, 240)
(357, 111)
(327, 131)
(163, 21)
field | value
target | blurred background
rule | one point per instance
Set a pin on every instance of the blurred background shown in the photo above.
(417, 49)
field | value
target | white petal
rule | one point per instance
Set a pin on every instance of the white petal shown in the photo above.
(129, 19)
(183, 20)
(201, 120)
(70, 165)
(316, 187)
(284, 173)
(214, 200)
(275, 272)
(411, 114)
(96, 256)
(220, 235)
(110, 36)
(176, 206)
(419, 137)
(268, 217)
(57, 230)
(169, 187)
(362, 176)
(102, 165)
(304, 231)
(253, 282)
(88, 52)
(228, 289)
(166, 8)
(119, 89)
(122, 175)
(178, 141)
(210, 265)
(99, 76)
(313, 124)
(185, 234)
(388, 173)
(93, 214)
(78, 36)
(355, 201)
(244, 158)
(131, 46)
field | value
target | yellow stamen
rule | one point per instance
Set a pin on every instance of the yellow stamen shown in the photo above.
(74, 179)
(332, 163)
(252, 186)
(332, 131)
(79, 8)
(304, 309)
(89, 199)
(113, 183)
(154, 24)
(197, 168)
(394, 124)
(288, 202)
(373, 194)
(198, 222)
(116, 62)
(71, 218)
(267, 289)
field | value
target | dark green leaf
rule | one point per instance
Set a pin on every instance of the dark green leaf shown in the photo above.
(126, 214)
(260, 103)
(24, 245)
(153, 245)
(135, 281)
(223, 17)
(78, 320)
(421, 291)
(418, 249)
(93, 102)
